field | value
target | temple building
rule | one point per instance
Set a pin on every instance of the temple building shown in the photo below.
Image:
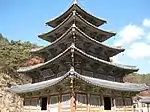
(142, 101)
(76, 73)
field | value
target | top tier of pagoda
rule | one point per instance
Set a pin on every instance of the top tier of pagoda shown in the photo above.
(90, 18)
(83, 20)
(77, 42)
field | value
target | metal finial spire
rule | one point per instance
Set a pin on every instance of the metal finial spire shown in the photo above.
(75, 2)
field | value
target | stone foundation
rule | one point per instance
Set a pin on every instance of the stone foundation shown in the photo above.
(10, 102)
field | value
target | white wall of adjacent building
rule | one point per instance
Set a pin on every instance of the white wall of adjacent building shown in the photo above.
(142, 107)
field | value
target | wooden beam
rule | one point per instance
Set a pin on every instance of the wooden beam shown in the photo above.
(88, 100)
(48, 103)
(102, 100)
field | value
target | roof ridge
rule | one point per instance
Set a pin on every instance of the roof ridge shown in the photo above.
(75, 2)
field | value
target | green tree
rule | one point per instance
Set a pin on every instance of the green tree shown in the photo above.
(13, 53)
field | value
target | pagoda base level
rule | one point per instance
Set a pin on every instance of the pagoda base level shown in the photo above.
(84, 102)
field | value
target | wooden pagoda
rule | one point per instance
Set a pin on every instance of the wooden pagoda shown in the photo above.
(77, 74)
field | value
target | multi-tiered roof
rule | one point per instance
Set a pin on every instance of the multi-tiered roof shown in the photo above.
(77, 50)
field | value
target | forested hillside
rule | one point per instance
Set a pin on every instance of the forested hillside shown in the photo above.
(12, 55)
(137, 78)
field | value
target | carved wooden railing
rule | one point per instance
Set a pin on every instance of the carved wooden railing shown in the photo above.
(124, 109)
(65, 109)
(81, 108)
(32, 109)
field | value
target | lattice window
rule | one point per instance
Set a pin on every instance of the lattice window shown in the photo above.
(81, 99)
(54, 100)
(27, 102)
(95, 100)
(65, 99)
(65, 104)
(128, 101)
(119, 102)
(34, 101)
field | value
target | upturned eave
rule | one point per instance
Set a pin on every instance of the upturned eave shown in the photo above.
(130, 87)
(120, 66)
(114, 50)
(53, 43)
(108, 33)
(47, 36)
(53, 22)
(81, 53)
(42, 65)
(62, 24)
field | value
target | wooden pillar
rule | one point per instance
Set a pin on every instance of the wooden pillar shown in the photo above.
(48, 103)
(147, 107)
(30, 104)
(72, 104)
(59, 102)
(114, 102)
(124, 106)
(102, 99)
(88, 99)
